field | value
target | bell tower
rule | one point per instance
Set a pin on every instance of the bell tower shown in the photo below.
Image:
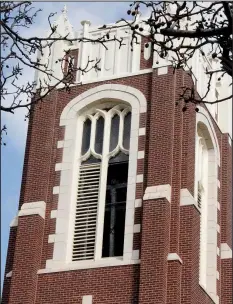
(125, 199)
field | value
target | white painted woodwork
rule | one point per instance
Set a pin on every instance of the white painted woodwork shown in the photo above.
(206, 186)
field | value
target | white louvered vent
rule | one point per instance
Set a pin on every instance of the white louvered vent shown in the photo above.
(199, 199)
(199, 196)
(86, 212)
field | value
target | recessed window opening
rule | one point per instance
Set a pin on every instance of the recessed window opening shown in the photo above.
(206, 196)
(104, 156)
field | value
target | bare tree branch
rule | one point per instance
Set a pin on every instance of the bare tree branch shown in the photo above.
(175, 30)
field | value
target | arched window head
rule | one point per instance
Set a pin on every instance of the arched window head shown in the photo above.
(103, 174)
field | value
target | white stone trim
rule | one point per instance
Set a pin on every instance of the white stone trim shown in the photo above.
(53, 214)
(14, 222)
(217, 275)
(9, 274)
(51, 238)
(174, 257)
(218, 251)
(206, 168)
(204, 117)
(135, 255)
(139, 178)
(218, 228)
(62, 253)
(226, 251)
(138, 202)
(156, 192)
(87, 299)
(229, 140)
(213, 296)
(141, 154)
(60, 144)
(63, 166)
(147, 51)
(128, 74)
(218, 206)
(186, 199)
(107, 262)
(142, 131)
(56, 190)
(58, 167)
(218, 182)
(33, 208)
(137, 228)
(114, 91)
(162, 70)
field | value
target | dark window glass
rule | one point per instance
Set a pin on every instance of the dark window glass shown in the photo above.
(99, 135)
(120, 157)
(115, 204)
(114, 132)
(86, 136)
(126, 133)
(121, 194)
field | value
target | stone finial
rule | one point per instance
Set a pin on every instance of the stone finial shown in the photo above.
(64, 12)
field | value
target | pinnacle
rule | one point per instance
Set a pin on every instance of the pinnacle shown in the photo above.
(64, 10)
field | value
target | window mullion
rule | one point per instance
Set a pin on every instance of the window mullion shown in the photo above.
(93, 130)
(121, 129)
(102, 189)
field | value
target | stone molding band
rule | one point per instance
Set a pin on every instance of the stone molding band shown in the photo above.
(157, 192)
(33, 208)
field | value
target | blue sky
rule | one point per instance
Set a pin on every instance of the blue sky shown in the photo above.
(13, 153)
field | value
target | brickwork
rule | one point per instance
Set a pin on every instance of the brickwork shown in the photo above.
(154, 251)
(226, 192)
(109, 285)
(174, 282)
(188, 145)
(226, 281)
(27, 259)
(166, 227)
(176, 165)
(9, 264)
(160, 130)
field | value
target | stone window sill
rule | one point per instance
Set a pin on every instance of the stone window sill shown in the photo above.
(53, 266)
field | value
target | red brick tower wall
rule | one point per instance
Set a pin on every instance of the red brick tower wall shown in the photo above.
(166, 227)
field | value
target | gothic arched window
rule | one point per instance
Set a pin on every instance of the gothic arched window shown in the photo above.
(206, 198)
(102, 181)
(202, 202)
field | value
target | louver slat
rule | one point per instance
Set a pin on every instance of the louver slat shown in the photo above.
(199, 195)
(86, 212)
(199, 199)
